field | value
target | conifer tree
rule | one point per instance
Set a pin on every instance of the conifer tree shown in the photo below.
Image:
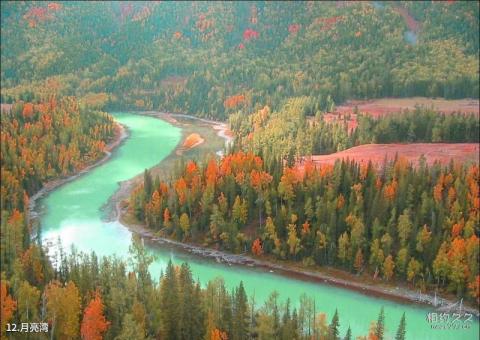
(169, 301)
(185, 289)
(240, 317)
(401, 329)
(131, 330)
(348, 335)
(333, 327)
(148, 185)
(380, 326)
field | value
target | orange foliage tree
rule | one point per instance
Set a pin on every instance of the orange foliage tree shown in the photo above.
(234, 101)
(257, 247)
(8, 305)
(94, 323)
(218, 335)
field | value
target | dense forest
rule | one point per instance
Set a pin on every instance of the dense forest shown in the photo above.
(418, 225)
(108, 298)
(173, 55)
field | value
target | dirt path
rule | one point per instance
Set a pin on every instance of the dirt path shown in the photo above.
(412, 24)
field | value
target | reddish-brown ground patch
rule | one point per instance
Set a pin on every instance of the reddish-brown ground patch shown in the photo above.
(381, 107)
(349, 118)
(442, 152)
(384, 106)
(326, 24)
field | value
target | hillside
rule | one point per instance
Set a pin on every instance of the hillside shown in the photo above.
(172, 55)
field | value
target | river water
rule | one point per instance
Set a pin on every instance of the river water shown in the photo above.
(73, 213)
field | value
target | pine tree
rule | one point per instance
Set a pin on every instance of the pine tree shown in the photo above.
(404, 227)
(140, 260)
(348, 335)
(131, 330)
(309, 208)
(169, 302)
(189, 306)
(240, 318)
(226, 316)
(148, 185)
(380, 327)
(185, 288)
(139, 316)
(401, 329)
(198, 312)
(287, 331)
(333, 328)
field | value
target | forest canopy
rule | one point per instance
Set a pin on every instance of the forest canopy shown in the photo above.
(171, 55)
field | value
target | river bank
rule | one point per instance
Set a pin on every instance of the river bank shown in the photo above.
(330, 276)
(289, 269)
(121, 134)
(222, 128)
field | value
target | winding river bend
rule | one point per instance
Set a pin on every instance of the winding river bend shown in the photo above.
(73, 213)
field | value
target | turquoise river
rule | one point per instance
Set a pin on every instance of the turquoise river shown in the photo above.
(73, 213)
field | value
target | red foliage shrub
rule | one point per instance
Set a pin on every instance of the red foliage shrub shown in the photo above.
(250, 34)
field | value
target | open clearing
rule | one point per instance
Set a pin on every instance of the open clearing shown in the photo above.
(379, 107)
(442, 152)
